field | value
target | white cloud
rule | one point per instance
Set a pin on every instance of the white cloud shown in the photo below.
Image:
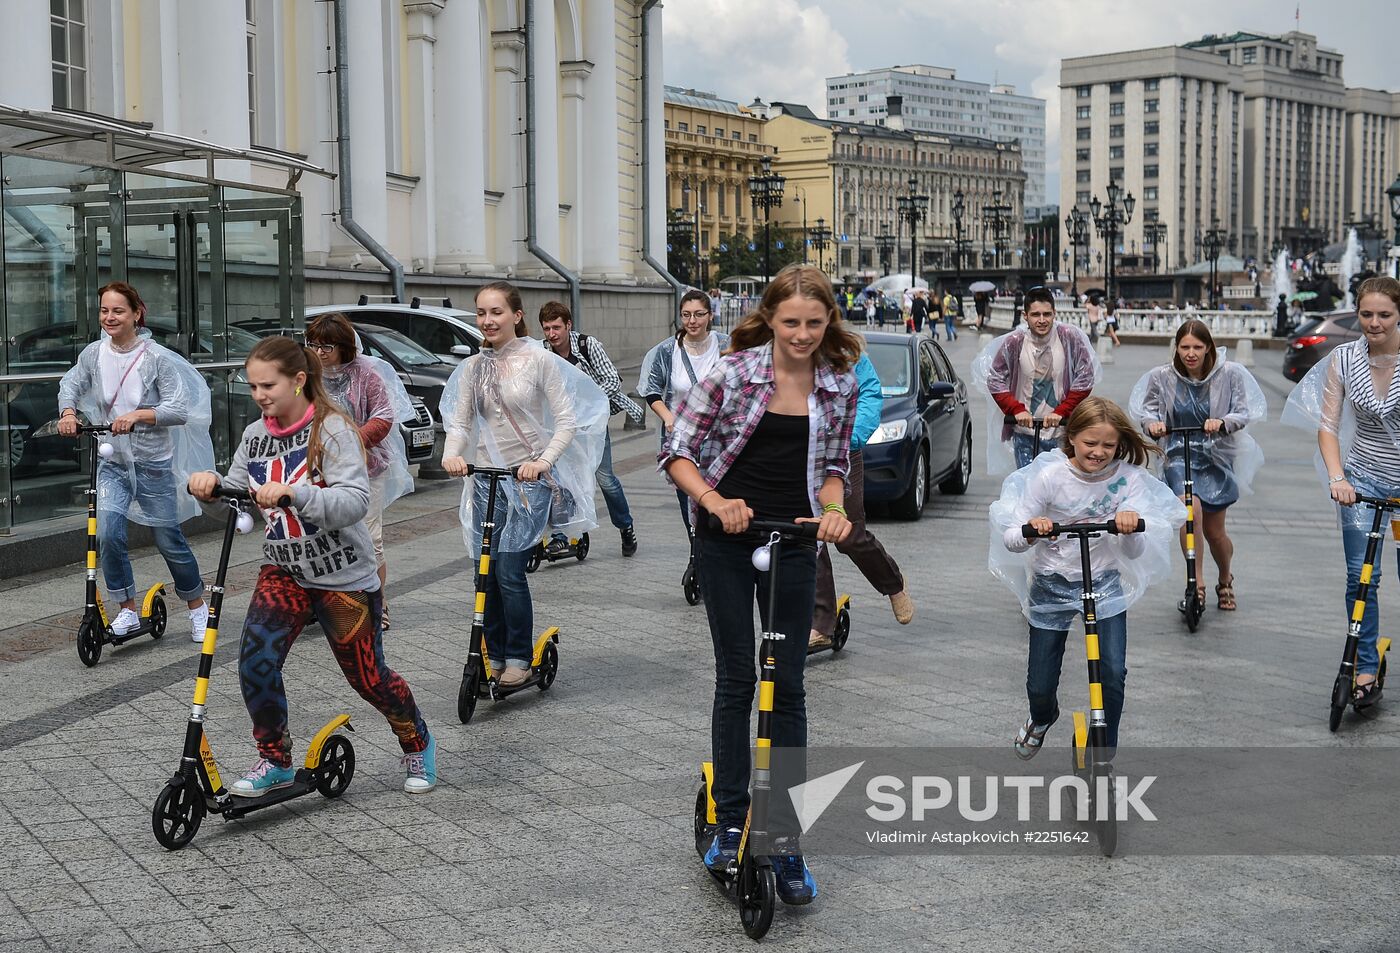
(739, 49)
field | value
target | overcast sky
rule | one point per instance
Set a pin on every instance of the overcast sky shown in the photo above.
(785, 49)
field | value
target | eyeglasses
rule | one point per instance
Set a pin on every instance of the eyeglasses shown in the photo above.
(321, 348)
(694, 314)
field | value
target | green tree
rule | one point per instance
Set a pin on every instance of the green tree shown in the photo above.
(732, 256)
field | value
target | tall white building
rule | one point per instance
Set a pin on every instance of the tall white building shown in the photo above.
(935, 100)
(1373, 153)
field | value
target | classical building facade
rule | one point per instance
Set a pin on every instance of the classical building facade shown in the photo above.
(486, 138)
(853, 174)
(935, 100)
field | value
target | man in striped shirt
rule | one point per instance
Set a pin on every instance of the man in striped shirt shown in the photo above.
(557, 325)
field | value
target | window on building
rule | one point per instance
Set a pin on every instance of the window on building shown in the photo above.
(1250, 54)
(1082, 112)
(1115, 109)
(1115, 173)
(1149, 105)
(700, 130)
(719, 133)
(1149, 194)
(1115, 152)
(1150, 128)
(1149, 148)
(753, 137)
(1083, 92)
(1115, 131)
(1082, 198)
(68, 36)
(736, 135)
(1151, 85)
(1081, 155)
(1149, 172)
(683, 126)
(1082, 176)
(1115, 89)
(1083, 134)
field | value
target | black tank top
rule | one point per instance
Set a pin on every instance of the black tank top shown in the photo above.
(770, 473)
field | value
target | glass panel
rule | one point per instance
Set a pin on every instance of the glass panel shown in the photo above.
(58, 43)
(77, 46)
(892, 367)
(76, 11)
(77, 89)
(60, 89)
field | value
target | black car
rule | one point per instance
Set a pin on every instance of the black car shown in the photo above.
(1315, 338)
(423, 373)
(925, 432)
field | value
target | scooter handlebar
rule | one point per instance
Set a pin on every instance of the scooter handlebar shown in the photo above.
(789, 530)
(1186, 430)
(1035, 421)
(1379, 502)
(1074, 529)
(512, 472)
(243, 496)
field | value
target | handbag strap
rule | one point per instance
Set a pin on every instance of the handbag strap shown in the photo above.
(689, 367)
(125, 374)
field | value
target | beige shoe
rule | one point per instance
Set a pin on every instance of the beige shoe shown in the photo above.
(816, 641)
(903, 607)
(513, 676)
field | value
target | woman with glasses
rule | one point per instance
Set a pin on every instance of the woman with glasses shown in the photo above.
(376, 401)
(672, 367)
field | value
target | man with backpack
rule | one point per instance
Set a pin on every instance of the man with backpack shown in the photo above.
(588, 355)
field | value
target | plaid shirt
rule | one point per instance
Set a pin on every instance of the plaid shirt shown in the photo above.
(594, 361)
(719, 414)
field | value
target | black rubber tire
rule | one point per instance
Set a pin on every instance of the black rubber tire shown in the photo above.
(910, 506)
(758, 895)
(337, 767)
(1380, 675)
(89, 643)
(1341, 692)
(466, 696)
(177, 814)
(549, 665)
(581, 550)
(533, 561)
(1107, 829)
(159, 617)
(958, 482)
(701, 824)
(842, 631)
(1194, 610)
(690, 585)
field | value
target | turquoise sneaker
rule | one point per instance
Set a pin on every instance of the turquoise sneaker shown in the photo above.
(422, 769)
(262, 777)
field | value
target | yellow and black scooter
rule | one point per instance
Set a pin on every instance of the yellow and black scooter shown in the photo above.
(842, 630)
(1345, 685)
(751, 881)
(196, 788)
(95, 630)
(1193, 603)
(478, 681)
(1092, 761)
(577, 549)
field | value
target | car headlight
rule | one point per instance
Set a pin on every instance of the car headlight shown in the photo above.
(890, 432)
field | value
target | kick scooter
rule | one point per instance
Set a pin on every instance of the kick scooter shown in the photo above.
(577, 548)
(841, 632)
(1193, 604)
(196, 787)
(750, 880)
(478, 681)
(690, 582)
(1345, 684)
(95, 630)
(1092, 761)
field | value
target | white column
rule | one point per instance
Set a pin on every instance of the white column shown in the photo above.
(544, 70)
(213, 84)
(653, 88)
(601, 201)
(460, 84)
(574, 184)
(507, 173)
(26, 80)
(422, 130)
(365, 59)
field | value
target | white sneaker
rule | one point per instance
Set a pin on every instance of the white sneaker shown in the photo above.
(199, 621)
(126, 621)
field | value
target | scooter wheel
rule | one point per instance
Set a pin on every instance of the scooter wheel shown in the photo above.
(466, 697)
(701, 825)
(842, 631)
(337, 766)
(758, 892)
(1106, 827)
(159, 617)
(1341, 690)
(89, 643)
(581, 550)
(1380, 675)
(690, 586)
(177, 814)
(532, 562)
(549, 665)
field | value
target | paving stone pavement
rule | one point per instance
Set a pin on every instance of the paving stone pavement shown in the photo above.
(562, 819)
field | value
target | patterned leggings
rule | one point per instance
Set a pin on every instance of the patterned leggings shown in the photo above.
(276, 616)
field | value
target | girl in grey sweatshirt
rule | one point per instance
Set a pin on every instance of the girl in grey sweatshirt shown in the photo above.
(319, 562)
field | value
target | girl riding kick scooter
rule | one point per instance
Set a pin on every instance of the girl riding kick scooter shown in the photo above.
(197, 787)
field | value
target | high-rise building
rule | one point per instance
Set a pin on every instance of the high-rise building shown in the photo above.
(1373, 153)
(935, 100)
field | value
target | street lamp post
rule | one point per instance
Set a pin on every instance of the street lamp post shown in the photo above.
(766, 190)
(1077, 227)
(998, 216)
(1214, 240)
(959, 209)
(885, 243)
(820, 236)
(676, 229)
(1154, 234)
(1392, 192)
(913, 208)
(1109, 219)
(800, 197)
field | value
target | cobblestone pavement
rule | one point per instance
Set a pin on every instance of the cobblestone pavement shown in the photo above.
(562, 820)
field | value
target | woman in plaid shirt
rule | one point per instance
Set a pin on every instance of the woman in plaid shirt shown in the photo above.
(766, 435)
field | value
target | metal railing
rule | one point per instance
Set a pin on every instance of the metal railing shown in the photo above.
(1255, 325)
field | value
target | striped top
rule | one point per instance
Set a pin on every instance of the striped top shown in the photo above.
(1352, 380)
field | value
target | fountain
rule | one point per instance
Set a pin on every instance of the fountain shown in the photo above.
(1350, 265)
(1283, 281)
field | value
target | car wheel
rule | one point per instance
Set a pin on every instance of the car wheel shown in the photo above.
(910, 506)
(957, 483)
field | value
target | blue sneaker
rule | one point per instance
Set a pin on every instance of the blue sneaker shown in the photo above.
(724, 849)
(422, 769)
(262, 777)
(795, 883)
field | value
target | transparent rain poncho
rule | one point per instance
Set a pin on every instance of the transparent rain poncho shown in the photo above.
(367, 388)
(1223, 464)
(1046, 575)
(504, 407)
(1000, 369)
(178, 394)
(1342, 395)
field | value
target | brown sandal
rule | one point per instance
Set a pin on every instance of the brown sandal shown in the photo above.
(1225, 596)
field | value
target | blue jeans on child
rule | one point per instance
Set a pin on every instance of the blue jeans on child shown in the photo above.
(155, 492)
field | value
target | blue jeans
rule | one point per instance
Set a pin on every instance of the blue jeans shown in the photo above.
(155, 491)
(1021, 444)
(510, 615)
(1047, 650)
(611, 487)
(950, 327)
(1354, 545)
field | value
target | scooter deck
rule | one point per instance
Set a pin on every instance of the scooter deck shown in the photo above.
(303, 783)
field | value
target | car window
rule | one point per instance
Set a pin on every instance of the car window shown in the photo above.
(404, 351)
(434, 335)
(927, 373)
(1308, 326)
(942, 367)
(892, 365)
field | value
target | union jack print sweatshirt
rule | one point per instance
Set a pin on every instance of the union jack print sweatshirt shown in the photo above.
(321, 537)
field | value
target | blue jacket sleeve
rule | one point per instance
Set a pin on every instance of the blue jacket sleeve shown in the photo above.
(869, 402)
